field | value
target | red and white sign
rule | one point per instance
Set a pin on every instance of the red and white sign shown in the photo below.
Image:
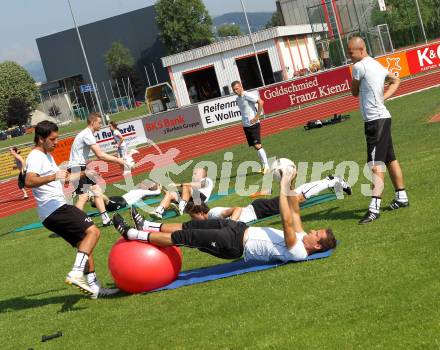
(424, 58)
(133, 132)
(300, 91)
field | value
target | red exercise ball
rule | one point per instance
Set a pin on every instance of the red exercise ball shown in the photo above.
(140, 267)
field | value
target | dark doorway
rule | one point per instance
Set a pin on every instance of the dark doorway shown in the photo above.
(202, 84)
(249, 74)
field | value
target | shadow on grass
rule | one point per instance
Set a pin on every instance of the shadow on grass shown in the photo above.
(28, 302)
(68, 303)
(334, 214)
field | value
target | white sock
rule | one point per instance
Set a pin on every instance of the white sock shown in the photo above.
(105, 217)
(92, 280)
(151, 226)
(134, 234)
(401, 196)
(313, 188)
(263, 157)
(182, 205)
(375, 205)
(80, 261)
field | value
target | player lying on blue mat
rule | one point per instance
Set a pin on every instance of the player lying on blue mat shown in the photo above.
(228, 239)
(265, 207)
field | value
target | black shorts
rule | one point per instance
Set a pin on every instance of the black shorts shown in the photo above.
(264, 208)
(253, 134)
(218, 237)
(202, 197)
(69, 222)
(21, 180)
(84, 183)
(379, 142)
(115, 203)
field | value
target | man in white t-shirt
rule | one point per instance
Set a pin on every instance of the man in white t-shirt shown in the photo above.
(199, 189)
(369, 78)
(265, 207)
(85, 142)
(228, 239)
(250, 117)
(69, 222)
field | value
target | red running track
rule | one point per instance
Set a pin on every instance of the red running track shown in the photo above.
(196, 145)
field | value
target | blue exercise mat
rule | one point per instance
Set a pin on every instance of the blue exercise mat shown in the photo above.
(206, 274)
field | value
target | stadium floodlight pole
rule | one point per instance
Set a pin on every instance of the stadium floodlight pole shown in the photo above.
(421, 21)
(104, 119)
(252, 42)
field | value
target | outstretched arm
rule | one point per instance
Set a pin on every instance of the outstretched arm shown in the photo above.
(104, 156)
(289, 209)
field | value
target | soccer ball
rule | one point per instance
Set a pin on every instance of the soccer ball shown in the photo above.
(279, 165)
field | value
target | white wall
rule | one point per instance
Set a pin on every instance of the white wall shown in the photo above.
(224, 65)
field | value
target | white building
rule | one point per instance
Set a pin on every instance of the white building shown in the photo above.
(207, 72)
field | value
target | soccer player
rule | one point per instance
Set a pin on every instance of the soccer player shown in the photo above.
(142, 190)
(263, 208)
(250, 117)
(199, 189)
(121, 145)
(228, 239)
(85, 142)
(20, 166)
(69, 222)
(369, 77)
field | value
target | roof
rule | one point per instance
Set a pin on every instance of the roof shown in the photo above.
(239, 41)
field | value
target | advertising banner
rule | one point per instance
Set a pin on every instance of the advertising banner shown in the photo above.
(172, 124)
(296, 92)
(133, 133)
(221, 111)
(396, 64)
(424, 58)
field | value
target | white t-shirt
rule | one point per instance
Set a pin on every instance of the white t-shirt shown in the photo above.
(247, 213)
(207, 188)
(117, 136)
(246, 104)
(50, 196)
(371, 75)
(267, 244)
(79, 153)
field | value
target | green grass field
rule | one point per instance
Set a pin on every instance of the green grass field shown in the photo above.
(77, 126)
(379, 290)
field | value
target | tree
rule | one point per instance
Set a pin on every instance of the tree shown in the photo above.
(118, 56)
(18, 94)
(120, 64)
(183, 24)
(275, 20)
(402, 19)
(229, 30)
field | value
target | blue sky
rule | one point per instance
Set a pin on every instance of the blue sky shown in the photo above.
(22, 21)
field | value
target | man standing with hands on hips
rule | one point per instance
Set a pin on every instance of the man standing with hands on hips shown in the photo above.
(369, 78)
(250, 117)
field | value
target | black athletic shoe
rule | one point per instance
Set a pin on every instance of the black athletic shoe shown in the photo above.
(137, 219)
(395, 204)
(120, 225)
(369, 217)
